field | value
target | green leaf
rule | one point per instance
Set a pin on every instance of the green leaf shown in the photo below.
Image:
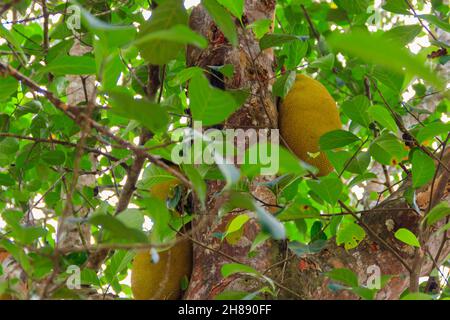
(270, 158)
(236, 7)
(197, 180)
(109, 67)
(354, 6)
(417, 296)
(301, 249)
(132, 218)
(339, 159)
(117, 228)
(396, 6)
(365, 293)
(393, 80)
(328, 188)
(233, 295)
(260, 27)
(237, 223)
(9, 146)
(112, 36)
(382, 116)
(27, 235)
(259, 239)
(227, 70)
(356, 109)
(283, 84)
(152, 115)
(223, 19)
(363, 177)
(118, 263)
(359, 163)
(366, 46)
(210, 105)
(18, 253)
(298, 209)
(268, 222)
(439, 212)
(157, 210)
(423, 168)
(350, 234)
(233, 268)
(75, 65)
(436, 21)
(407, 237)
(185, 75)
(179, 33)
(276, 159)
(388, 150)
(270, 40)
(432, 130)
(402, 35)
(324, 63)
(166, 15)
(89, 277)
(345, 276)
(33, 106)
(8, 86)
(336, 139)
(13, 41)
(297, 50)
(54, 157)
(6, 180)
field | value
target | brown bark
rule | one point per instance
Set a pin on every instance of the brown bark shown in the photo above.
(253, 71)
(304, 277)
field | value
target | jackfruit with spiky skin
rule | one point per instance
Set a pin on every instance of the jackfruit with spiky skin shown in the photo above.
(161, 280)
(308, 112)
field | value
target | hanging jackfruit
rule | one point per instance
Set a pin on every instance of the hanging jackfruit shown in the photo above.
(307, 112)
(161, 280)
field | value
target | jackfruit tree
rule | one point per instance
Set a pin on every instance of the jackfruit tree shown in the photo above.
(224, 149)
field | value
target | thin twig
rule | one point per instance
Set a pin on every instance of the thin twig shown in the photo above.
(420, 21)
(405, 131)
(74, 113)
(377, 237)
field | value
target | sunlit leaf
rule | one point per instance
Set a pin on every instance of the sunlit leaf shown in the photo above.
(423, 168)
(366, 46)
(350, 234)
(336, 139)
(345, 276)
(223, 19)
(407, 237)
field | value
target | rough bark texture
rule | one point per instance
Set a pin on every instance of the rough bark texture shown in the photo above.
(253, 71)
(78, 92)
(305, 276)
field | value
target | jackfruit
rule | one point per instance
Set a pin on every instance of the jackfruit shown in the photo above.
(163, 189)
(161, 280)
(307, 112)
